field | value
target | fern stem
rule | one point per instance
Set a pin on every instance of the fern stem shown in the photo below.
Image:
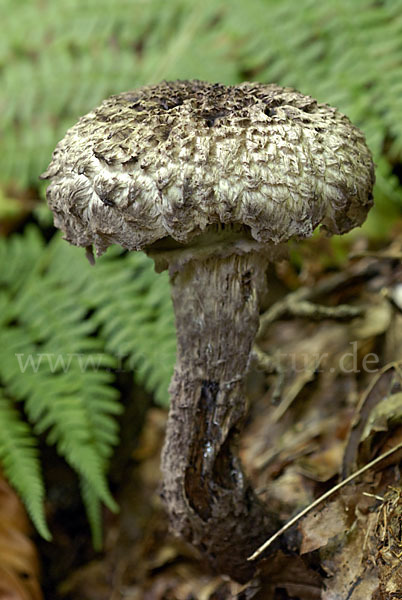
(210, 501)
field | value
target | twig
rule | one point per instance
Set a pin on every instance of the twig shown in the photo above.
(270, 365)
(265, 362)
(301, 302)
(316, 502)
(296, 304)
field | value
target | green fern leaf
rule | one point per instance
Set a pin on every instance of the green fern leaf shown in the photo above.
(19, 458)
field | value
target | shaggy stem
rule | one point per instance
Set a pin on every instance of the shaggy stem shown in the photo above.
(210, 502)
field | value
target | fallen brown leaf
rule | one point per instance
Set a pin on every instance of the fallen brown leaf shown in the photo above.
(19, 564)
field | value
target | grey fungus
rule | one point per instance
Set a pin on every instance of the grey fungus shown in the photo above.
(211, 181)
(172, 159)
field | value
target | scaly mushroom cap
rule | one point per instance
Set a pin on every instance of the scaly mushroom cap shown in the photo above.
(172, 159)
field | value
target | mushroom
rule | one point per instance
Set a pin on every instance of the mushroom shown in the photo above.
(211, 181)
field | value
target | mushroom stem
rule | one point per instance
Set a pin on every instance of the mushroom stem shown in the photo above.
(210, 502)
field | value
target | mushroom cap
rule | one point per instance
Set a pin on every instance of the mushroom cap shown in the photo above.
(170, 160)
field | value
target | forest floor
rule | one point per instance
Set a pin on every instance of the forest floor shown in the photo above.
(325, 399)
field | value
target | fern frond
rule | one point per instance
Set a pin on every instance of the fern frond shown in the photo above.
(57, 66)
(65, 327)
(93, 509)
(130, 306)
(18, 257)
(20, 461)
(51, 361)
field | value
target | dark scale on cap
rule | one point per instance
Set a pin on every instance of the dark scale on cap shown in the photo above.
(257, 155)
